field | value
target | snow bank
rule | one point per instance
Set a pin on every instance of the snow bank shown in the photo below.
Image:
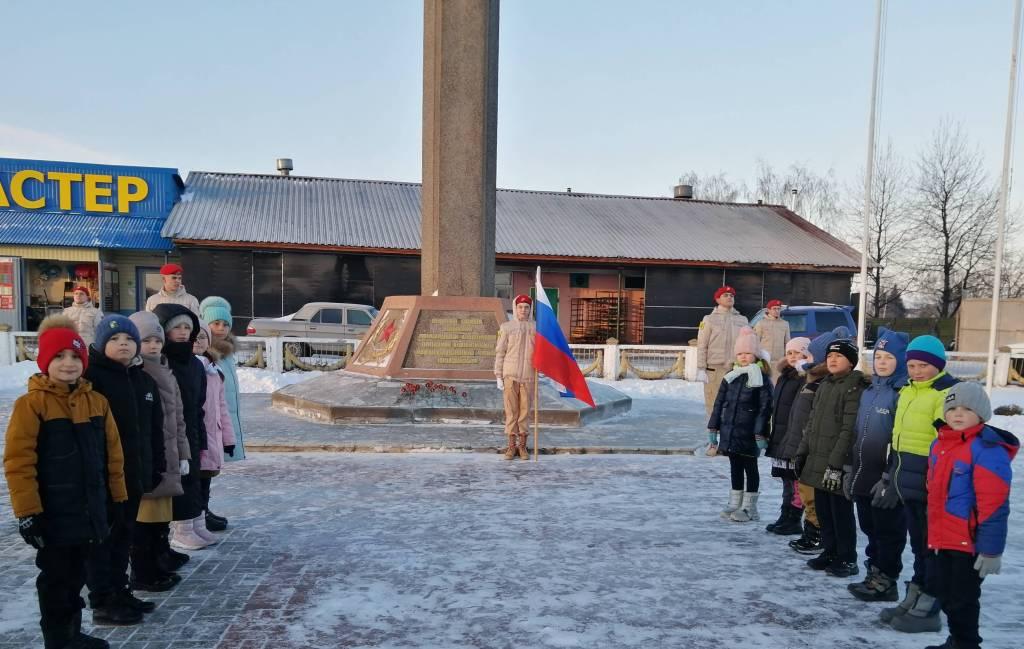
(15, 377)
(256, 381)
(660, 389)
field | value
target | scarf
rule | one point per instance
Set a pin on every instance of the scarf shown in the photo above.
(753, 372)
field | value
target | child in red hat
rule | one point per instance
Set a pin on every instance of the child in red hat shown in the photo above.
(60, 489)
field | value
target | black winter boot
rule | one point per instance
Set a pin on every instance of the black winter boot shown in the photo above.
(216, 523)
(950, 643)
(770, 527)
(820, 562)
(810, 542)
(168, 559)
(109, 610)
(842, 568)
(131, 601)
(790, 521)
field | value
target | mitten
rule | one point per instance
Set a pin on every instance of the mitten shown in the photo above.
(183, 467)
(230, 450)
(713, 437)
(798, 464)
(762, 442)
(31, 529)
(833, 479)
(988, 565)
(702, 376)
(883, 495)
(501, 383)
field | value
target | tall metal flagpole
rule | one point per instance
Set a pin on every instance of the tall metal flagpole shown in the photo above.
(1004, 191)
(868, 177)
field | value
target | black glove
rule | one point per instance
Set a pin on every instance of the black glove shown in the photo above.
(230, 450)
(31, 529)
(883, 494)
(798, 464)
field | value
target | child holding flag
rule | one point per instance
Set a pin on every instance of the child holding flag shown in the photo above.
(513, 369)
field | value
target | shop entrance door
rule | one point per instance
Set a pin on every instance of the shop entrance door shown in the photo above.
(11, 300)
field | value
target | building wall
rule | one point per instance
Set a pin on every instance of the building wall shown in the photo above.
(678, 298)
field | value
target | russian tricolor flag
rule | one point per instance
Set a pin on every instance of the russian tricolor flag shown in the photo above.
(551, 354)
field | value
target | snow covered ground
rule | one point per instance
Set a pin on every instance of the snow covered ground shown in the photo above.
(468, 550)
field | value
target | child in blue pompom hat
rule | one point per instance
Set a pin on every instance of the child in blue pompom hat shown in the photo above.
(884, 526)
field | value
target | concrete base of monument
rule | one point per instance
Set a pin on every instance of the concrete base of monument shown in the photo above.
(344, 397)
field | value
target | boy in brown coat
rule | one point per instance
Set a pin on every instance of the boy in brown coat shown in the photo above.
(65, 471)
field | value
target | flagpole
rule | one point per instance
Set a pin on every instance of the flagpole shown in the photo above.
(1004, 196)
(536, 416)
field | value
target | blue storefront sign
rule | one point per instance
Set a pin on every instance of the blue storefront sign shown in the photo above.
(85, 205)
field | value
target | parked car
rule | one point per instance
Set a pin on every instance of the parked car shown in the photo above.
(317, 320)
(809, 321)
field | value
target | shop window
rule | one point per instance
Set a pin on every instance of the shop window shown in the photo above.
(633, 282)
(503, 285)
(579, 280)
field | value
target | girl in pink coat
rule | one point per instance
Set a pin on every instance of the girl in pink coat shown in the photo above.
(220, 435)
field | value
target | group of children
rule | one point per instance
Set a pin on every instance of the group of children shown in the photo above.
(109, 458)
(905, 453)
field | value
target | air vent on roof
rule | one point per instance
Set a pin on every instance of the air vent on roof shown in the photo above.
(285, 166)
(684, 192)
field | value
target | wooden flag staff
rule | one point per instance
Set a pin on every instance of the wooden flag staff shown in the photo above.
(536, 415)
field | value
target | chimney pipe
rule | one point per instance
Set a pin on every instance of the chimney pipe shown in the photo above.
(683, 192)
(285, 166)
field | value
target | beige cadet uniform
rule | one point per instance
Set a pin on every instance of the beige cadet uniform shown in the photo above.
(715, 341)
(773, 334)
(513, 363)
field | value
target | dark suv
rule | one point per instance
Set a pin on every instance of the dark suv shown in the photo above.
(809, 321)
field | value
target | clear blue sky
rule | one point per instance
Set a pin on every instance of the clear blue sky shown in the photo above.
(602, 96)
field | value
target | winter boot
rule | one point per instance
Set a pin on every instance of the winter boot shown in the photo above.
(183, 536)
(126, 598)
(78, 639)
(950, 643)
(735, 500)
(107, 610)
(913, 590)
(523, 453)
(820, 562)
(810, 542)
(199, 527)
(790, 522)
(922, 618)
(747, 511)
(215, 523)
(159, 583)
(510, 451)
(842, 569)
(876, 587)
(783, 512)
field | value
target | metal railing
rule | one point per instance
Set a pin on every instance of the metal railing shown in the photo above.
(610, 361)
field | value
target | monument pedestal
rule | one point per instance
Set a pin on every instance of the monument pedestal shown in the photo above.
(431, 359)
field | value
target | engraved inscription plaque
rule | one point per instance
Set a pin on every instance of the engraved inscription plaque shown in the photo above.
(459, 340)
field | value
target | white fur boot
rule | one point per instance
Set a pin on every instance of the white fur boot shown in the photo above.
(747, 511)
(735, 500)
(183, 536)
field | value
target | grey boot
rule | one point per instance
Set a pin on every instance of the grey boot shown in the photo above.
(747, 511)
(735, 500)
(889, 614)
(923, 618)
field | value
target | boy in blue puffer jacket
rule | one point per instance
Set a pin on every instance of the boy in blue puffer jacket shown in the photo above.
(885, 528)
(969, 478)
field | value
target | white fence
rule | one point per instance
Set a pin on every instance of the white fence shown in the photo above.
(599, 361)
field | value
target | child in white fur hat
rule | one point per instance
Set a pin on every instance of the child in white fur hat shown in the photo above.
(739, 425)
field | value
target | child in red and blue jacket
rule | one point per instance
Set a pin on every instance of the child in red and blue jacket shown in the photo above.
(969, 479)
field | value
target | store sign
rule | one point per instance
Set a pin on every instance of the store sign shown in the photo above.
(29, 185)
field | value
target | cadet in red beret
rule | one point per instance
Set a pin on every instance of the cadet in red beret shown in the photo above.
(173, 291)
(513, 369)
(715, 341)
(773, 332)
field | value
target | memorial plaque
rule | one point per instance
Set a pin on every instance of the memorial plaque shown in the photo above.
(459, 340)
(432, 337)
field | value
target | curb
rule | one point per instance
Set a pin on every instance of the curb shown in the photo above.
(380, 448)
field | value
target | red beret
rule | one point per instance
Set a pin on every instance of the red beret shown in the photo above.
(82, 289)
(725, 289)
(170, 269)
(522, 299)
(772, 303)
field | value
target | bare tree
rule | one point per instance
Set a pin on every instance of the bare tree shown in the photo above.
(954, 235)
(889, 229)
(715, 187)
(816, 196)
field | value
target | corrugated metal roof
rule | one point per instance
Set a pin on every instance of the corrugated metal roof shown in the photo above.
(380, 214)
(77, 230)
